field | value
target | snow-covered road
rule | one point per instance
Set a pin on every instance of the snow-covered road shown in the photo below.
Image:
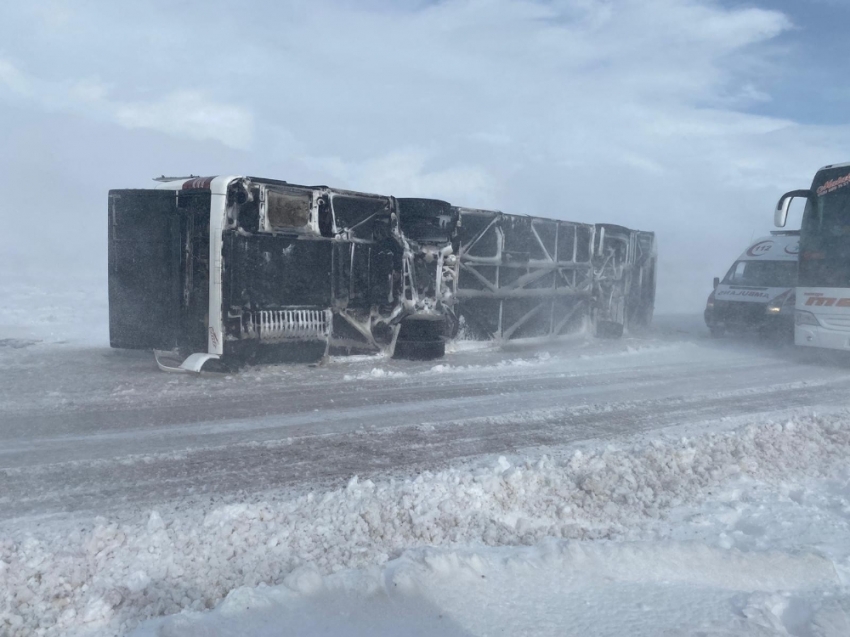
(692, 484)
(88, 428)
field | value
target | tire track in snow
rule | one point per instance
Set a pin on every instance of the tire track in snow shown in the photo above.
(312, 460)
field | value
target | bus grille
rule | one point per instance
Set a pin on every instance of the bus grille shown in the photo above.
(282, 325)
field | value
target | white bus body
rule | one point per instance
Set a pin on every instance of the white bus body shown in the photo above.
(822, 310)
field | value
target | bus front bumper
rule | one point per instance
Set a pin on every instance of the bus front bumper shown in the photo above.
(819, 336)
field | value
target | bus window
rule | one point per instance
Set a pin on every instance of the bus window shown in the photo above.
(287, 209)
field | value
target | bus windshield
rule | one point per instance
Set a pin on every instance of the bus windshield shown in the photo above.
(764, 274)
(825, 231)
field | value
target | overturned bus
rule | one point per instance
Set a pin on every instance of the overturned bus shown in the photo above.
(231, 270)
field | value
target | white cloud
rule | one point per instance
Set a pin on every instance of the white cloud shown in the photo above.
(406, 173)
(189, 114)
(633, 111)
(14, 81)
(181, 113)
(87, 91)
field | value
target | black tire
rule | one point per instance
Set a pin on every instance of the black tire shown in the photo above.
(609, 329)
(421, 340)
(419, 350)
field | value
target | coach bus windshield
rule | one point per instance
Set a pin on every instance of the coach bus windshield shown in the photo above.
(825, 231)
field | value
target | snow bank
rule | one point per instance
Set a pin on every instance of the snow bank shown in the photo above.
(444, 368)
(375, 372)
(105, 577)
(561, 359)
(59, 311)
(593, 588)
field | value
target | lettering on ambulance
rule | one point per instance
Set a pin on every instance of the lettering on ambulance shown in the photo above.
(793, 249)
(760, 248)
(738, 293)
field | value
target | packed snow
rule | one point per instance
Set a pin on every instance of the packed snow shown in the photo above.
(664, 526)
(43, 307)
(553, 588)
(664, 484)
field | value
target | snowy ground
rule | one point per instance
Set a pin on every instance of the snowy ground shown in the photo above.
(664, 484)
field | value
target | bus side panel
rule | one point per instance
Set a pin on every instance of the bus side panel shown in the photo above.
(144, 269)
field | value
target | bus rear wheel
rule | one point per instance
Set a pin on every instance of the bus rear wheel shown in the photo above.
(419, 350)
(421, 339)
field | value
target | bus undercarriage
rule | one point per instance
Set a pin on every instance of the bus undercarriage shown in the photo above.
(245, 270)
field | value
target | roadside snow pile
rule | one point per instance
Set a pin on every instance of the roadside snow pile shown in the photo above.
(565, 360)
(103, 578)
(375, 372)
(554, 588)
(444, 368)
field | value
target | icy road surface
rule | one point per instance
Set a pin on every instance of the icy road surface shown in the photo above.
(87, 429)
(694, 486)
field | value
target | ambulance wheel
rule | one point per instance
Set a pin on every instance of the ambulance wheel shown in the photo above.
(717, 332)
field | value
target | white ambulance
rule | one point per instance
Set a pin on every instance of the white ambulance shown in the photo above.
(757, 293)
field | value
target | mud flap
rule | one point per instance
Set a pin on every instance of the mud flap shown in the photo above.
(194, 363)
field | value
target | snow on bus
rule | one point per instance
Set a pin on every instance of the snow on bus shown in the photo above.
(232, 270)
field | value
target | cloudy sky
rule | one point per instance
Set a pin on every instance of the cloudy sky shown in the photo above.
(687, 117)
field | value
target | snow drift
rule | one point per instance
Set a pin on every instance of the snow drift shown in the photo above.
(104, 577)
(557, 587)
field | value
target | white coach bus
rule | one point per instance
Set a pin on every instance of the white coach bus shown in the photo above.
(822, 311)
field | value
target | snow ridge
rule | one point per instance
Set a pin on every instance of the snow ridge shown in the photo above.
(106, 577)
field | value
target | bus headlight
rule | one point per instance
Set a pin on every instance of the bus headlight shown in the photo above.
(802, 317)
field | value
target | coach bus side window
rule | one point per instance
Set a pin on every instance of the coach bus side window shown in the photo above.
(288, 210)
(360, 215)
